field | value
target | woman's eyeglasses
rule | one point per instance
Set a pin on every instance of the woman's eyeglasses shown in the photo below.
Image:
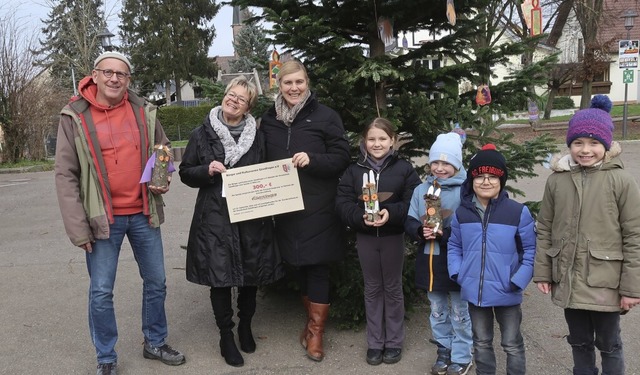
(237, 98)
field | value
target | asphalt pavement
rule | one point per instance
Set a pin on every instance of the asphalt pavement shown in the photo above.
(43, 303)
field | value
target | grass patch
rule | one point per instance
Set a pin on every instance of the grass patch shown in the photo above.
(616, 111)
(182, 143)
(28, 163)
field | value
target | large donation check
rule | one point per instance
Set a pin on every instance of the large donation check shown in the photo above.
(261, 190)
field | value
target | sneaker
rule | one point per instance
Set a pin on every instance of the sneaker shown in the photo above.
(459, 369)
(164, 353)
(391, 355)
(440, 367)
(107, 369)
(374, 356)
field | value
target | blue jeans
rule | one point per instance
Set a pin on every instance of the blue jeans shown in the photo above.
(509, 319)
(451, 324)
(583, 326)
(102, 264)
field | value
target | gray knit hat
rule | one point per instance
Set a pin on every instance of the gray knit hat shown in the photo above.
(113, 55)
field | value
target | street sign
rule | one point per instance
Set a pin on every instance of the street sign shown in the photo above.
(627, 76)
(628, 54)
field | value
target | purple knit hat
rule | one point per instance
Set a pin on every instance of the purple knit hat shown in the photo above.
(594, 122)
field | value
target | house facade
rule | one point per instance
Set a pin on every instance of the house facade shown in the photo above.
(413, 40)
(570, 42)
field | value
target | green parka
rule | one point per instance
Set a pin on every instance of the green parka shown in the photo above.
(588, 244)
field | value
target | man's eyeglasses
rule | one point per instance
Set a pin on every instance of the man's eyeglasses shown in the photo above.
(237, 98)
(493, 180)
(109, 73)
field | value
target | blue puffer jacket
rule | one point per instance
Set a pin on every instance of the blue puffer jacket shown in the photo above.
(491, 257)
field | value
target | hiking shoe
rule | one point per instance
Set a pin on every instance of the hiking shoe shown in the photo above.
(441, 365)
(391, 355)
(374, 356)
(107, 369)
(459, 369)
(164, 353)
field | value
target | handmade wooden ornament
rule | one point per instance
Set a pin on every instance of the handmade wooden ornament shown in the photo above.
(160, 174)
(385, 32)
(451, 13)
(370, 196)
(483, 96)
(433, 217)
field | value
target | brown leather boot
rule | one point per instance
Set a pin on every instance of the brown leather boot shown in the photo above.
(303, 334)
(318, 313)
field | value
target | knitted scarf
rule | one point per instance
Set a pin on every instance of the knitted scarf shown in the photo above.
(233, 151)
(286, 114)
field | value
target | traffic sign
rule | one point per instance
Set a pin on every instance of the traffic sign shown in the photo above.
(629, 52)
(627, 76)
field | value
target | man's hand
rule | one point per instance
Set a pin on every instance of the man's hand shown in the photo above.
(86, 247)
(161, 189)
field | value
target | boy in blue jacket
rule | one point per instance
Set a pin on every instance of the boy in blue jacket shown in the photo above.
(491, 252)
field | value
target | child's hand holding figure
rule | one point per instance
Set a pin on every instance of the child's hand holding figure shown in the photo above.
(429, 234)
(383, 218)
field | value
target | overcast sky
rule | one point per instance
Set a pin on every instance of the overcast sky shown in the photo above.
(30, 12)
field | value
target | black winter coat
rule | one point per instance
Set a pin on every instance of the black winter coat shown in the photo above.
(219, 253)
(396, 176)
(313, 235)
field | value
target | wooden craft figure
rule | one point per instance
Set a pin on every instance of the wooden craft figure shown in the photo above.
(370, 196)
(160, 174)
(433, 218)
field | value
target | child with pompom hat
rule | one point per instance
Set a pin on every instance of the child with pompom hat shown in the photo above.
(588, 248)
(449, 317)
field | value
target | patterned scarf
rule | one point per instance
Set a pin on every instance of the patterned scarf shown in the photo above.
(286, 114)
(233, 151)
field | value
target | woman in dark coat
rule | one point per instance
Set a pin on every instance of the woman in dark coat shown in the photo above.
(221, 254)
(299, 128)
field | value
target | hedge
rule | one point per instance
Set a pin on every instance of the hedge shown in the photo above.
(178, 122)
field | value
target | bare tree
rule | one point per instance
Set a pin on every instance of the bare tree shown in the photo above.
(589, 14)
(26, 111)
(70, 39)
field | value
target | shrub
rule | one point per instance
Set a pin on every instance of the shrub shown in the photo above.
(563, 102)
(178, 122)
(347, 286)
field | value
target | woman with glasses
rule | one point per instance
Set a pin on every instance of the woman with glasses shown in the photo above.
(491, 251)
(310, 134)
(221, 254)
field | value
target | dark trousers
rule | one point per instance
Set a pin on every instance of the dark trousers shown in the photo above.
(381, 260)
(593, 329)
(509, 319)
(314, 282)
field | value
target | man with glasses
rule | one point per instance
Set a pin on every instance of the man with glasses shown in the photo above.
(106, 135)
(491, 251)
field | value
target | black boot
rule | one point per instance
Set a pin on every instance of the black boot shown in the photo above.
(246, 309)
(223, 312)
